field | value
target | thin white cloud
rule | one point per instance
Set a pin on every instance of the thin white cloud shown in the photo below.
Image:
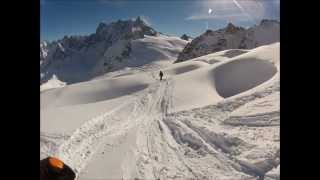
(222, 17)
(236, 10)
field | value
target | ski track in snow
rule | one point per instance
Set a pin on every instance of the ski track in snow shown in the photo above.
(219, 144)
(151, 113)
(78, 149)
(199, 141)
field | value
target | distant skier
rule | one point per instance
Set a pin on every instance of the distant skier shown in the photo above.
(161, 74)
(54, 169)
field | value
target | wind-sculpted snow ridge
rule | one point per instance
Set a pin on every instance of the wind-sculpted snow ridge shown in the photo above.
(93, 91)
(234, 78)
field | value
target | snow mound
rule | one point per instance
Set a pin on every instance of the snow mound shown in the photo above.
(93, 91)
(184, 67)
(214, 82)
(220, 56)
(246, 71)
(241, 75)
(54, 82)
(233, 52)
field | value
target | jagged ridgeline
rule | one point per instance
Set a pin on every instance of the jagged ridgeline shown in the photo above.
(231, 37)
(186, 37)
(113, 46)
(133, 43)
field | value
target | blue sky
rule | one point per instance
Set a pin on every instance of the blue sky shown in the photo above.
(172, 17)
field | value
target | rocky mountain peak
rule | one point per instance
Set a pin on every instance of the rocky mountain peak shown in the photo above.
(185, 37)
(231, 37)
(124, 29)
(208, 32)
(231, 28)
(113, 46)
(139, 21)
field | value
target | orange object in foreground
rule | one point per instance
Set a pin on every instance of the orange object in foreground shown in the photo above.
(56, 163)
(54, 169)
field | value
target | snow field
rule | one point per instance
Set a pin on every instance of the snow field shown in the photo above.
(204, 121)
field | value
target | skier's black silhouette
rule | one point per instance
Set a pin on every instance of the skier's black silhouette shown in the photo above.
(161, 74)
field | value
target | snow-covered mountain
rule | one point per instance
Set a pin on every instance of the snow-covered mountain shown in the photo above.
(186, 37)
(232, 37)
(129, 43)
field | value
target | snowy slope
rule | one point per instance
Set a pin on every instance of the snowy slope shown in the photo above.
(114, 46)
(190, 126)
(54, 82)
(231, 37)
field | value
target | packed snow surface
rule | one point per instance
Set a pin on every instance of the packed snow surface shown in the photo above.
(213, 117)
(54, 82)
